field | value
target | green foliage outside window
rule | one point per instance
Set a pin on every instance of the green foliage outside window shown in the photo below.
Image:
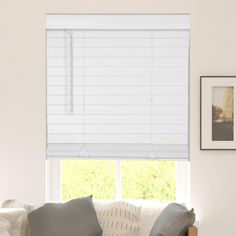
(149, 180)
(140, 179)
(83, 178)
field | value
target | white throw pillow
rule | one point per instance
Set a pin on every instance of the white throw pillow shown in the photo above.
(11, 221)
(118, 218)
(149, 213)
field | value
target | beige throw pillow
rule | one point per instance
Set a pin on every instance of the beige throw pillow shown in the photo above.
(118, 218)
(11, 221)
(5, 227)
(12, 203)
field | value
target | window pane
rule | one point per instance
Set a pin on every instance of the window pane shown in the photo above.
(81, 178)
(149, 180)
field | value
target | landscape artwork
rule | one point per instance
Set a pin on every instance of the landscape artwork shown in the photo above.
(223, 113)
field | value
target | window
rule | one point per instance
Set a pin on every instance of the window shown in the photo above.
(109, 179)
(117, 95)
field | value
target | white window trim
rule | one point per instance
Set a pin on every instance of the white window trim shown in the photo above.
(183, 182)
(53, 180)
(53, 193)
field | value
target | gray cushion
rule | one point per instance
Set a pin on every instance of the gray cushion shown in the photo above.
(74, 218)
(174, 220)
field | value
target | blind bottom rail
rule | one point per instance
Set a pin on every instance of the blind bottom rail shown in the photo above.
(118, 151)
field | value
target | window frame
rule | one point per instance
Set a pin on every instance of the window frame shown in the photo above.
(53, 179)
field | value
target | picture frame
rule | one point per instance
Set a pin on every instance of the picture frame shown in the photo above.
(217, 113)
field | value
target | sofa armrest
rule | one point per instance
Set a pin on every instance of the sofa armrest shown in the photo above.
(193, 231)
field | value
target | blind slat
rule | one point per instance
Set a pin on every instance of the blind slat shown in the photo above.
(123, 91)
(118, 138)
(173, 52)
(121, 62)
(120, 109)
(113, 119)
(110, 129)
(119, 43)
(117, 34)
(119, 100)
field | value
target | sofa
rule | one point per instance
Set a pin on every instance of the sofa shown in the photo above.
(149, 211)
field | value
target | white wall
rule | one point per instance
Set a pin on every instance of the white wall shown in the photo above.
(22, 96)
(22, 100)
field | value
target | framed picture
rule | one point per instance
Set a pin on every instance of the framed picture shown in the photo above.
(218, 107)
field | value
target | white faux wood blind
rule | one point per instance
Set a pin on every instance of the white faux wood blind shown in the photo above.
(117, 93)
